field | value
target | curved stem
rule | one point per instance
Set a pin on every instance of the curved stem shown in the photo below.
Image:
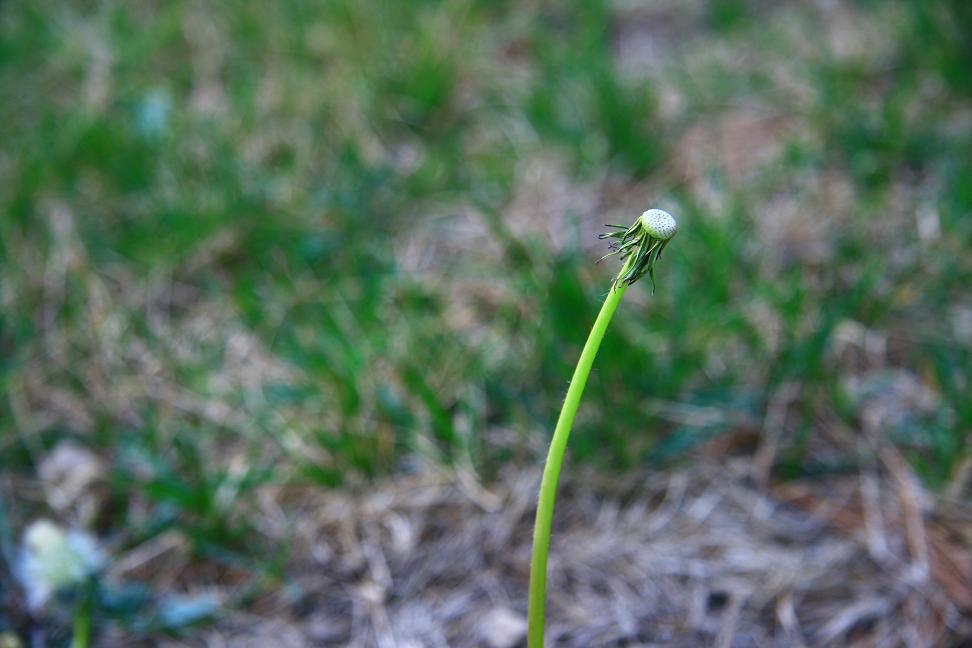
(555, 457)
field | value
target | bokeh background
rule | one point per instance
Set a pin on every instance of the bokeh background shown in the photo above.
(290, 294)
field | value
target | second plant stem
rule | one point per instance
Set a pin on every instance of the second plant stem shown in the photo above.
(555, 457)
(82, 626)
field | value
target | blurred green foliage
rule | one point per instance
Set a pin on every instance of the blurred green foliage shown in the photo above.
(210, 217)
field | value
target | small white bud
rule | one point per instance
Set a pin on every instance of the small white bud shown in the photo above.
(659, 224)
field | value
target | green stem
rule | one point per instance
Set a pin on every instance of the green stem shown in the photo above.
(555, 457)
(82, 625)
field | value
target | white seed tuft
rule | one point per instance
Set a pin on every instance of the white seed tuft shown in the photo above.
(659, 224)
(53, 559)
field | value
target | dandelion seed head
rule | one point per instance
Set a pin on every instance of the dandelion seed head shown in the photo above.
(53, 559)
(659, 224)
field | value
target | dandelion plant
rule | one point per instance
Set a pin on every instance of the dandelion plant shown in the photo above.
(639, 247)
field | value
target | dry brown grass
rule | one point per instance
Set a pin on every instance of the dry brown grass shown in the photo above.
(702, 555)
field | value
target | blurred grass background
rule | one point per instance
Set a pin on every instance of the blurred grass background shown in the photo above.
(314, 244)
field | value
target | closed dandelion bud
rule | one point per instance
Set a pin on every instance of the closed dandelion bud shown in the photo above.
(641, 244)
